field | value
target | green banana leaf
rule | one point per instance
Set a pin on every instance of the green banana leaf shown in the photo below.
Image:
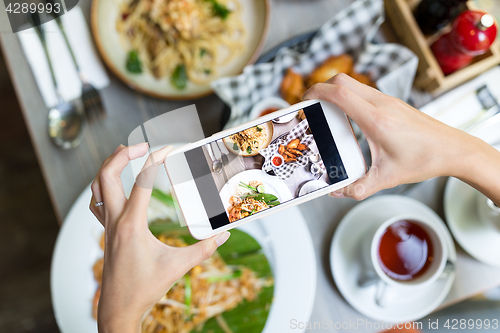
(240, 249)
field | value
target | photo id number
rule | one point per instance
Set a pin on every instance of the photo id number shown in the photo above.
(18, 8)
(461, 324)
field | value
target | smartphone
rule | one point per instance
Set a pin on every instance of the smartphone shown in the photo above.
(260, 167)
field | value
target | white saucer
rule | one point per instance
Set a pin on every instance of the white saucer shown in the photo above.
(481, 241)
(312, 186)
(346, 262)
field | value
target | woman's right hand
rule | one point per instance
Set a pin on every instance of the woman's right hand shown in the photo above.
(407, 146)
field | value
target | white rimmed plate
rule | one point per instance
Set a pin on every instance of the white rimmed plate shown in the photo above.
(268, 126)
(347, 263)
(272, 185)
(480, 240)
(312, 186)
(255, 17)
(77, 249)
(267, 103)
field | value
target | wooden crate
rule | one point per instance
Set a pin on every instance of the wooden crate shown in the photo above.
(430, 77)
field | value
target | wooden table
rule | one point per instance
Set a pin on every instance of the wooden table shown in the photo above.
(68, 173)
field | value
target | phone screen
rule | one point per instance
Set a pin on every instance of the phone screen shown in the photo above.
(266, 165)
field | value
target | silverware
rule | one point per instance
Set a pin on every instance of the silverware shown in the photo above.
(219, 159)
(225, 159)
(490, 108)
(216, 163)
(90, 96)
(65, 120)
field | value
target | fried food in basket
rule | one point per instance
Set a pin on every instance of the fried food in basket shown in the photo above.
(292, 150)
(293, 144)
(292, 87)
(330, 67)
(363, 78)
(281, 149)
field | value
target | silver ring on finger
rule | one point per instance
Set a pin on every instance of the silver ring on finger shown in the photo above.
(99, 204)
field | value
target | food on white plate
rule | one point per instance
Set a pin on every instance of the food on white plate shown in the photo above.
(293, 85)
(184, 40)
(250, 140)
(208, 290)
(250, 199)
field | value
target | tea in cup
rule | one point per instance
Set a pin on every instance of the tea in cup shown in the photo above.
(408, 252)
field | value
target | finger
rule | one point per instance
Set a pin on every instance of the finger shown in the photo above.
(141, 192)
(110, 182)
(96, 210)
(360, 110)
(95, 187)
(361, 189)
(366, 92)
(195, 254)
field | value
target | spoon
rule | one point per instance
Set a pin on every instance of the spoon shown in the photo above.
(216, 162)
(65, 121)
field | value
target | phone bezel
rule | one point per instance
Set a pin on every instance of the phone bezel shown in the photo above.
(350, 152)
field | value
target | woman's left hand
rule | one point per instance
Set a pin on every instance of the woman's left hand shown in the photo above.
(138, 268)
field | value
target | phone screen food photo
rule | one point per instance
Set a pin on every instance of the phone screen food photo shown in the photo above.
(266, 165)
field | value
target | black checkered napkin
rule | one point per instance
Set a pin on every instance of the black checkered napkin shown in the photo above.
(349, 31)
(286, 170)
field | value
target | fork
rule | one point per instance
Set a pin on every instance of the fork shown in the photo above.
(90, 96)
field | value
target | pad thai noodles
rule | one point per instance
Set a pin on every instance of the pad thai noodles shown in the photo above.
(249, 199)
(184, 40)
(206, 291)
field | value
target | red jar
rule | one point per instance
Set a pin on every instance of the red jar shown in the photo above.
(472, 34)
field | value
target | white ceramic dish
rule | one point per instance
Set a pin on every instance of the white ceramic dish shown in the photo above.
(271, 102)
(255, 17)
(480, 240)
(268, 126)
(77, 249)
(312, 186)
(272, 185)
(347, 264)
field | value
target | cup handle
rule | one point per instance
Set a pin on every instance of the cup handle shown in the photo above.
(380, 293)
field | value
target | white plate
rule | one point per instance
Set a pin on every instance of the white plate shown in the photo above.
(478, 239)
(346, 262)
(255, 17)
(312, 186)
(77, 248)
(268, 126)
(272, 185)
(270, 102)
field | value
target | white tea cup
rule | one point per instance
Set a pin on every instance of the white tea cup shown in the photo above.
(439, 254)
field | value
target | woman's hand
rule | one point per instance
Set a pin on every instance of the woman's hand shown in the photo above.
(407, 146)
(138, 268)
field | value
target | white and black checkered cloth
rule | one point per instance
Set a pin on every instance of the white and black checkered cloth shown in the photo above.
(287, 169)
(350, 31)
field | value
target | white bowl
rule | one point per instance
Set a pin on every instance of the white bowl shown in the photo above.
(267, 103)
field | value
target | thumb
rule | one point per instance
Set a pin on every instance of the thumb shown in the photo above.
(201, 251)
(362, 188)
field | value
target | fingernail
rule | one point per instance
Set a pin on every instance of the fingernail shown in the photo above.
(140, 144)
(337, 195)
(118, 148)
(222, 238)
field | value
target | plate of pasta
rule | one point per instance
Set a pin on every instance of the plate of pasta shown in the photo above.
(173, 49)
(248, 142)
